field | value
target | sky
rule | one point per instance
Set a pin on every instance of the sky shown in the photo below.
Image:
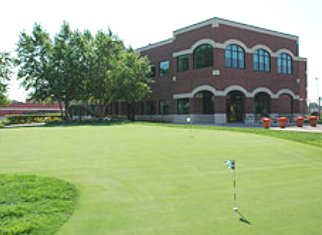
(140, 22)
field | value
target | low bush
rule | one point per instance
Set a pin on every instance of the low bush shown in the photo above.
(32, 118)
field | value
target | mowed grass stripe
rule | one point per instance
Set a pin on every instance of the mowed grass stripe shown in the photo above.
(141, 179)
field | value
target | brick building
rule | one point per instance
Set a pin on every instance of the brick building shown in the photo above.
(219, 71)
(27, 108)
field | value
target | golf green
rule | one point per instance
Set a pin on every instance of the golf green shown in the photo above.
(141, 179)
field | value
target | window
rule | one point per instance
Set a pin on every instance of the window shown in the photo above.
(235, 56)
(183, 106)
(284, 63)
(142, 104)
(116, 108)
(182, 63)
(164, 68)
(262, 104)
(261, 61)
(203, 56)
(150, 107)
(164, 107)
(152, 70)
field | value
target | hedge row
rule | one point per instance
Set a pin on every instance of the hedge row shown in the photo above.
(31, 118)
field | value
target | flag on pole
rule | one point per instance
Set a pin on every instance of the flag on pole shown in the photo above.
(231, 164)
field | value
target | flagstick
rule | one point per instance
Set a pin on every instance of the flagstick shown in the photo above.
(235, 196)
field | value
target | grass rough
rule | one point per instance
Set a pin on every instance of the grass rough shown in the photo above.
(34, 205)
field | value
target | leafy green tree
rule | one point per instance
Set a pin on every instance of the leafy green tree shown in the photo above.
(53, 70)
(34, 61)
(6, 65)
(130, 80)
(76, 67)
(70, 66)
(106, 50)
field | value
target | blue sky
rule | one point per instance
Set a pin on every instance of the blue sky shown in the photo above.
(141, 22)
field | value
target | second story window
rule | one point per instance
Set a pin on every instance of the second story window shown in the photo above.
(152, 70)
(182, 63)
(261, 61)
(164, 68)
(284, 64)
(203, 56)
(234, 56)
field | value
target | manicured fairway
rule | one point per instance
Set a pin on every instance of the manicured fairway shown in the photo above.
(140, 179)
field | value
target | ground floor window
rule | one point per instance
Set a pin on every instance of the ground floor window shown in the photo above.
(235, 106)
(262, 104)
(142, 107)
(116, 108)
(285, 104)
(164, 107)
(183, 106)
(150, 107)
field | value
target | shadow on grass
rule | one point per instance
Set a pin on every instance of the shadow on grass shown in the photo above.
(242, 218)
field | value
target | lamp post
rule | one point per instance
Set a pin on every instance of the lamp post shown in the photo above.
(318, 94)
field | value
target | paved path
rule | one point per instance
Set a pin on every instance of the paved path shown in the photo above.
(25, 125)
(305, 128)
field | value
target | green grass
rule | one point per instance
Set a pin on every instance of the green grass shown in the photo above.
(302, 137)
(34, 205)
(152, 179)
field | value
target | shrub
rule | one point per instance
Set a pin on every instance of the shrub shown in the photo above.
(31, 118)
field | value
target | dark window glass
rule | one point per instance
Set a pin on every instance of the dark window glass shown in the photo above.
(261, 61)
(183, 106)
(203, 56)
(164, 68)
(152, 70)
(142, 107)
(164, 107)
(182, 63)
(284, 64)
(150, 107)
(262, 104)
(234, 56)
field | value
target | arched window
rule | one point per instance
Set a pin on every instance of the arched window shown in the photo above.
(261, 60)
(203, 56)
(235, 56)
(262, 104)
(284, 63)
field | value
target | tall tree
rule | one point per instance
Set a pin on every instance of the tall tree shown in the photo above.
(130, 79)
(106, 50)
(34, 60)
(6, 65)
(53, 70)
(70, 66)
(76, 67)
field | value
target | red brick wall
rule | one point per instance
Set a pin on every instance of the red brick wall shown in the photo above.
(165, 87)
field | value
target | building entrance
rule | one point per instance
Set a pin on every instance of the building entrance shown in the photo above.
(235, 106)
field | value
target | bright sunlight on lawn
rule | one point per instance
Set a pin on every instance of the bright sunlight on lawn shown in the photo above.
(153, 179)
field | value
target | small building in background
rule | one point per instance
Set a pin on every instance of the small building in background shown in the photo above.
(28, 108)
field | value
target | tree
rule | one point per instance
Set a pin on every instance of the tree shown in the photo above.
(53, 70)
(76, 67)
(69, 66)
(106, 50)
(34, 61)
(6, 65)
(130, 80)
